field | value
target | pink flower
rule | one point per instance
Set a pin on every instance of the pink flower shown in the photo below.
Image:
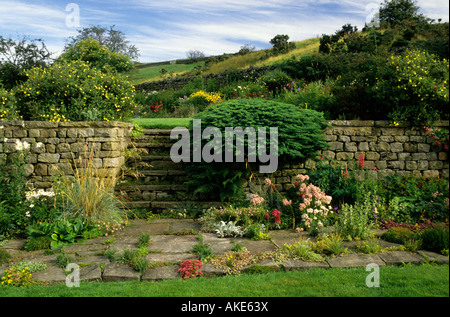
(287, 202)
(346, 173)
(267, 182)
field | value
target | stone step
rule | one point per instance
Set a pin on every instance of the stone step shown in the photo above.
(167, 205)
(162, 187)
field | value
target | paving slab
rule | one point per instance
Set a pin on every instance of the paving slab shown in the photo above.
(51, 275)
(434, 257)
(115, 272)
(217, 245)
(354, 260)
(90, 273)
(82, 248)
(297, 264)
(16, 244)
(282, 237)
(170, 257)
(170, 243)
(210, 270)
(161, 273)
(400, 257)
(256, 247)
(183, 225)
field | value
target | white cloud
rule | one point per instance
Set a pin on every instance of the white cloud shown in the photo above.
(167, 29)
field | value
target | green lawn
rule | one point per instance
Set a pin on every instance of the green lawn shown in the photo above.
(162, 123)
(404, 281)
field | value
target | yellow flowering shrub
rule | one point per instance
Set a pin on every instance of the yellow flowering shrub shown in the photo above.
(418, 87)
(202, 99)
(7, 106)
(16, 277)
(74, 91)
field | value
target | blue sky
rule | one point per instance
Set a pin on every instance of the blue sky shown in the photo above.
(167, 29)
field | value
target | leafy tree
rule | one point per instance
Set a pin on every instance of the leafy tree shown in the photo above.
(19, 55)
(113, 39)
(393, 12)
(98, 56)
(281, 43)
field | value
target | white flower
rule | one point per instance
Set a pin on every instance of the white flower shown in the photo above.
(31, 206)
(19, 145)
(27, 214)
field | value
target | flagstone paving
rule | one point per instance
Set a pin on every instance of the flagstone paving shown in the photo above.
(171, 242)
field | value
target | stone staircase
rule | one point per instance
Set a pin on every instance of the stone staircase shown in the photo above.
(152, 180)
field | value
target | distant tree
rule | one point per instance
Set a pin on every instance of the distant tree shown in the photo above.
(347, 29)
(393, 12)
(195, 54)
(281, 43)
(19, 55)
(113, 39)
(247, 48)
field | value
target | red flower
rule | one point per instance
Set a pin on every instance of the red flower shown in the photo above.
(361, 160)
(346, 173)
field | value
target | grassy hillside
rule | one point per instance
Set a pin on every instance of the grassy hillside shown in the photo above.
(152, 71)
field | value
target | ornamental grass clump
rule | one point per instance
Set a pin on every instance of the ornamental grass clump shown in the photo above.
(89, 194)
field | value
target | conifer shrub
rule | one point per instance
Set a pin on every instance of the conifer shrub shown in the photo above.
(300, 137)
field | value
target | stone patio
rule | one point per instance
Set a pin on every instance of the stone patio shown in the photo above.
(170, 245)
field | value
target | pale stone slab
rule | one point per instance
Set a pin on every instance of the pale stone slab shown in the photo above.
(119, 272)
(51, 275)
(170, 257)
(355, 260)
(161, 273)
(210, 270)
(434, 257)
(400, 257)
(90, 273)
(294, 265)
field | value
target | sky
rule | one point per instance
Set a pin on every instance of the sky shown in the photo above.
(166, 29)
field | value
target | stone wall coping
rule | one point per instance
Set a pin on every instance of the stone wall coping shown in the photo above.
(68, 124)
(378, 123)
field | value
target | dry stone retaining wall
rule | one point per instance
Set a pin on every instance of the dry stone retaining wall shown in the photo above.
(60, 144)
(401, 149)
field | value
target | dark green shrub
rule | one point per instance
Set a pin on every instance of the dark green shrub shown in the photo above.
(37, 243)
(275, 80)
(299, 138)
(399, 235)
(435, 239)
(299, 130)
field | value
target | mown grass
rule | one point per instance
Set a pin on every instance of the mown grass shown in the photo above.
(404, 281)
(162, 123)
